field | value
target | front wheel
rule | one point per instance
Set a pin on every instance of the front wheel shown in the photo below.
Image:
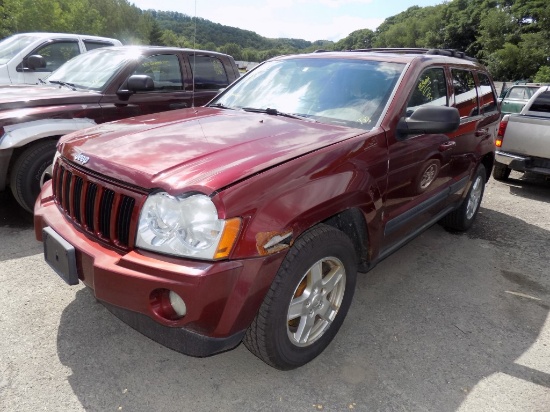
(307, 302)
(462, 218)
(30, 171)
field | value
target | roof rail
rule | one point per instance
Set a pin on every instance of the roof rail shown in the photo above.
(414, 50)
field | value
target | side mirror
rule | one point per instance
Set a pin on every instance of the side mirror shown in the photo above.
(35, 62)
(137, 83)
(428, 120)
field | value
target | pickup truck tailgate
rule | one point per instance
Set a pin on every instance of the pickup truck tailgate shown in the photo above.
(527, 135)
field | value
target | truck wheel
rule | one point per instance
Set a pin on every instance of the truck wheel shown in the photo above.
(29, 172)
(501, 172)
(307, 302)
(462, 218)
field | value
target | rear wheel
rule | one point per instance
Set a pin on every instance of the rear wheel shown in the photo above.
(308, 300)
(30, 171)
(462, 218)
(501, 172)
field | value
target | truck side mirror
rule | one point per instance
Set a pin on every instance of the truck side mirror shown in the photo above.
(428, 120)
(35, 61)
(136, 83)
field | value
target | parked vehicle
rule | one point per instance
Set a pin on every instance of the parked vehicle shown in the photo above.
(99, 86)
(516, 97)
(523, 140)
(248, 219)
(25, 58)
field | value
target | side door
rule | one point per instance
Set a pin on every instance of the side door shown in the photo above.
(470, 132)
(208, 75)
(168, 93)
(419, 166)
(55, 53)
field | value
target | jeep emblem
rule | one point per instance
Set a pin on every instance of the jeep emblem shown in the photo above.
(82, 159)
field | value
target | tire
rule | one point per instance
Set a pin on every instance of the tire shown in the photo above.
(30, 171)
(501, 172)
(428, 173)
(287, 341)
(462, 218)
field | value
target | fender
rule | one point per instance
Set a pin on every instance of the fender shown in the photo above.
(279, 204)
(21, 134)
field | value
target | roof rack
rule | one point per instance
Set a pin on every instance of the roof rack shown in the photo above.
(440, 52)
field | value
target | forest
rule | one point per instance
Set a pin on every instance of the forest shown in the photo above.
(511, 37)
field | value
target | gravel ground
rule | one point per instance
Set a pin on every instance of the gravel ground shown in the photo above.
(451, 322)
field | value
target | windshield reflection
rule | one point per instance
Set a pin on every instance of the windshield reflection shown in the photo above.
(94, 69)
(339, 91)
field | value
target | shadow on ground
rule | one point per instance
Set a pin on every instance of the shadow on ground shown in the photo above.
(426, 325)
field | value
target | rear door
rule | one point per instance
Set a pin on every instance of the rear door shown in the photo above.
(419, 166)
(208, 75)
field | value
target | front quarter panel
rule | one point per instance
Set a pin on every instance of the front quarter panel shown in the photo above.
(298, 194)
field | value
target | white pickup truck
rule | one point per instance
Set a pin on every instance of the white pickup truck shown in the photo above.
(523, 139)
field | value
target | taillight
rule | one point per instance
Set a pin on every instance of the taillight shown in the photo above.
(501, 129)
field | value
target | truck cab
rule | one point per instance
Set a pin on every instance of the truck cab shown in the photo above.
(16, 66)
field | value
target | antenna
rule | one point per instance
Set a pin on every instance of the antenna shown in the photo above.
(194, 57)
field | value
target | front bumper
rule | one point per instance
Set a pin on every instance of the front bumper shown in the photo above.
(222, 298)
(523, 163)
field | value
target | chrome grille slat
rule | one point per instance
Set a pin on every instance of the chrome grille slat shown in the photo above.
(99, 208)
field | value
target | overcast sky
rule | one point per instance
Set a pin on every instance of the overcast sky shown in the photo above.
(300, 19)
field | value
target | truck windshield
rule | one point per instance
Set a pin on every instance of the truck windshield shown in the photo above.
(348, 92)
(10, 46)
(94, 69)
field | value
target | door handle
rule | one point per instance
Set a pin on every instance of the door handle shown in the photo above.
(447, 145)
(174, 106)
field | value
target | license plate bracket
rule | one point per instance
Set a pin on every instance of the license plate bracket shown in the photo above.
(60, 255)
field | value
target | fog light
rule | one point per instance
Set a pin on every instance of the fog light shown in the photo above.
(177, 304)
(167, 304)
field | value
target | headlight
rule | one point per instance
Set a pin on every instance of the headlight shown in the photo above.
(185, 226)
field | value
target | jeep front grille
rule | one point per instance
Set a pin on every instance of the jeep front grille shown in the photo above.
(100, 208)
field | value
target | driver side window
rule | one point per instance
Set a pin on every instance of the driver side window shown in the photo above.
(430, 89)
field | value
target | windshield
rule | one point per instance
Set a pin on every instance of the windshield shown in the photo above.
(93, 70)
(338, 91)
(10, 46)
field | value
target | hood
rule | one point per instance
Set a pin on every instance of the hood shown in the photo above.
(26, 96)
(201, 149)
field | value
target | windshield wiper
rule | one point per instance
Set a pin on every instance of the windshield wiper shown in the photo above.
(273, 112)
(220, 106)
(69, 85)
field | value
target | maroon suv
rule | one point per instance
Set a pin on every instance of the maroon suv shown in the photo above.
(95, 87)
(249, 218)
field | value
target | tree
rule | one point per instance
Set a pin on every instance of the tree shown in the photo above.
(543, 75)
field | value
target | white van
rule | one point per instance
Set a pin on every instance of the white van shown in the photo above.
(51, 50)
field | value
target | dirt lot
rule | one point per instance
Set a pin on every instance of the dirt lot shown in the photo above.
(451, 322)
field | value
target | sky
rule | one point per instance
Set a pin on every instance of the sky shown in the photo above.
(300, 19)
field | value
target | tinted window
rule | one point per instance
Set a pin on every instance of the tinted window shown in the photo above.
(56, 54)
(165, 71)
(431, 89)
(487, 96)
(465, 92)
(541, 103)
(209, 72)
(92, 44)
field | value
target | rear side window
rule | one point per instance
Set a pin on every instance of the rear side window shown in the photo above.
(94, 44)
(465, 93)
(487, 95)
(541, 103)
(430, 89)
(209, 73)
(165, 71)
